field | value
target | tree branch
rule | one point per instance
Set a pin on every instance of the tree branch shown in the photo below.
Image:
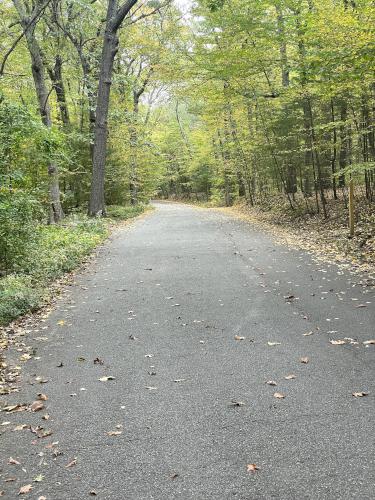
(121, 14)
(19, 38)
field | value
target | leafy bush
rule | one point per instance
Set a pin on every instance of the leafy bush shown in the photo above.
(61, 248)
(18, 294)
(124, 212)
(19, 214)
(54, 251)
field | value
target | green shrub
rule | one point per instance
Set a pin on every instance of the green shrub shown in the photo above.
(61, 248)
(18, 295)
(124, 212)
(19, 215)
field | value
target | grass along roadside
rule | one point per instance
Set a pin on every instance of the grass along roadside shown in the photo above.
(54, 251)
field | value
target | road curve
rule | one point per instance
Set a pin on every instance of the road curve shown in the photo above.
(191, 310)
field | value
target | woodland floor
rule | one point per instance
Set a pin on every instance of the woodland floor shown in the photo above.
(327, 239)
(195, 358)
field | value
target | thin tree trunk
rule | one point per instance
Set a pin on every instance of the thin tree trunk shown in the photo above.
(55, 74)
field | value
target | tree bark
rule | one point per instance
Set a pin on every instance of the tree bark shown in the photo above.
(55, 74)
(115, 17)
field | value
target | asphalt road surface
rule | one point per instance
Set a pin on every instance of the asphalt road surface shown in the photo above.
(163, 310)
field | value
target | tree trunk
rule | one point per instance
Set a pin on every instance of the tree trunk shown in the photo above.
(110, 44)
(133, 132)
(115, 17)
(38, 71)
(55, 74)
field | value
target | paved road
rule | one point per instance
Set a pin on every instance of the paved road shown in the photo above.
(161, 308)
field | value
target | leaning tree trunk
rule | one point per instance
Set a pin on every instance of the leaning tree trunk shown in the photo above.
(115, 17)
(38, 71)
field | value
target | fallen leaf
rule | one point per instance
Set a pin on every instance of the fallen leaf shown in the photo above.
(20, 427)
(273, 343)
(304, 360)
(307, 334)
(114, 433)
(238, 337)
(14, 408)
(289, 297)
(61, 322)
(98, 361)
(278, 395)
(337, 342)
(360, 394)
(148, 355)
(42, 498)
(45, 417)
(25, 357)
(60, 365)
(41, 380)
(290, 377)
(360, 305)
(72, 463)
(271, 382)
(237, 403)
(151, 388)
(45, 434)
(252, 467)
(105, 379)
(42, 397)
(173, 476)
(38, 478)
(93, 493)
(368, 342)
(37, 406)
(25, 489)
(13, 461)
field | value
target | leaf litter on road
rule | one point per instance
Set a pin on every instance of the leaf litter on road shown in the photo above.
(252, 468)
(25, 489)
(235, 403)
(271, 382)
(278, 395)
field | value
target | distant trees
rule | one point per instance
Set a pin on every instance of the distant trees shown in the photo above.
(281, 95)
(239, 99)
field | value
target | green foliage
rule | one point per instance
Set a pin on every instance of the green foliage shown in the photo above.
(119, 212)
(20, 212)
(53, 251)
(18, 295)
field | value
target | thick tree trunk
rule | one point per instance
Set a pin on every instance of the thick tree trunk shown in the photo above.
(115, 17)
(38, 72)
(97, 206)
